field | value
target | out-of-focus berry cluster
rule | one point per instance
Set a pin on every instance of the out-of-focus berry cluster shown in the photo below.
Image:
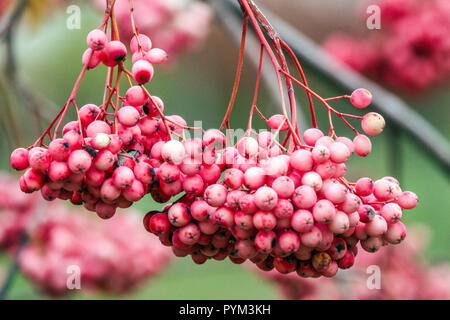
(410, 52)
(113, 257)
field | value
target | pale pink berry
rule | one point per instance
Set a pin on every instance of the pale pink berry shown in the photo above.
(215, 195)
(265, 241)
(109, 191)
(339, 153)
(372, 244)
(115, 52)
(323, 211)
(391, 212)
(96, 127)
(407, 200)
(243, 220)
(303, 253)
(373, 123)
(304, 197)
(266, 198)
(340, 223)
(348, 143)
(313, 180)
(289, 241)
(152, 110)
(301, 160)
(311, 238)
(94, 177)
(88, 113)
(347, 260)
(396, 233)
(351, 203)
(59, 149)
(142, 71)
(168, 173)
(58, 171)
(383, 189)
(156, 56)
(265, 138)
(364, 187)
(247, 204)
(39, 159)
(284, 209)
(128, 116)
(173, 152)
(361, 98)
(234, 178)
(200, 210)
(193, 185)
(362, 144)
(96, 39)
(245, 249)
(278, 122)
(284, 187)
(48, 193)
(302, 221)
(366, 213)
(326, 170)
(263, 220)
(123, 177)
(19, 159)
(224, 217)
(178, 215)
(320, 154)
(135, 96)
(276, 166)
(376, 227)
(254, 178)
(79, 161)
(210, 174)
(104, 160)
(324, 141)
(144, 43)
(247, 147)
(91, 59)
(336, 193)
(310, 136)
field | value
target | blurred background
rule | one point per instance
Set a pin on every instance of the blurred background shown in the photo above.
(41, 58)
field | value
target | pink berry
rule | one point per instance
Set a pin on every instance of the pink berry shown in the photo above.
(373, 123)
(336, 193)
(39, 160)
(304, 197)
(178, 215)
(105, 210)
(376, 227)
(301, 160)
(115, 52)
(311, 238)
(320, 154)
(123, 177)
(265, 241)
(339, 153)
(101, 141)
(364, 187)
(324, 211)
(245, 249)
(254, 178)
(339, 223)
(338, 249)
(97, 127)
(361, 98)
(157, 56)
(351, 203)
(313, 180)
(128, 116)
(109, 191)
(289, 241)
(142, 71)
(96, 39)
(283, 209)
(19, 159)
(263, 220)
(159, 224)
(215, 195)
(396, 233)
(144, 42)
(383, 189)
(407, 200)
(284, 187)
(391, 212)
(362, 144)
(135, 96)
(302, 221)
(224, 217)
(310, 136)
(173, 151)
(189, 234)
(266, 198)
(372, 244)
(79, 161)
(247, 147)
(347, 260)
(92, 58)
(104, 160)
(58, 171)
(278, 122)
(193, 185)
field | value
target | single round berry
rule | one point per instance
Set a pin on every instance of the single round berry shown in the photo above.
(361, 98)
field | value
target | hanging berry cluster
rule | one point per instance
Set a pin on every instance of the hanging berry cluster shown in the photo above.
(284, 205)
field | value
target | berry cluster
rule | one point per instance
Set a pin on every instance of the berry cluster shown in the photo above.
(177, 26)
(410, 52)
(58, 238)
(292, 211)
(284, 205)
(91, 164)
(404, 276)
